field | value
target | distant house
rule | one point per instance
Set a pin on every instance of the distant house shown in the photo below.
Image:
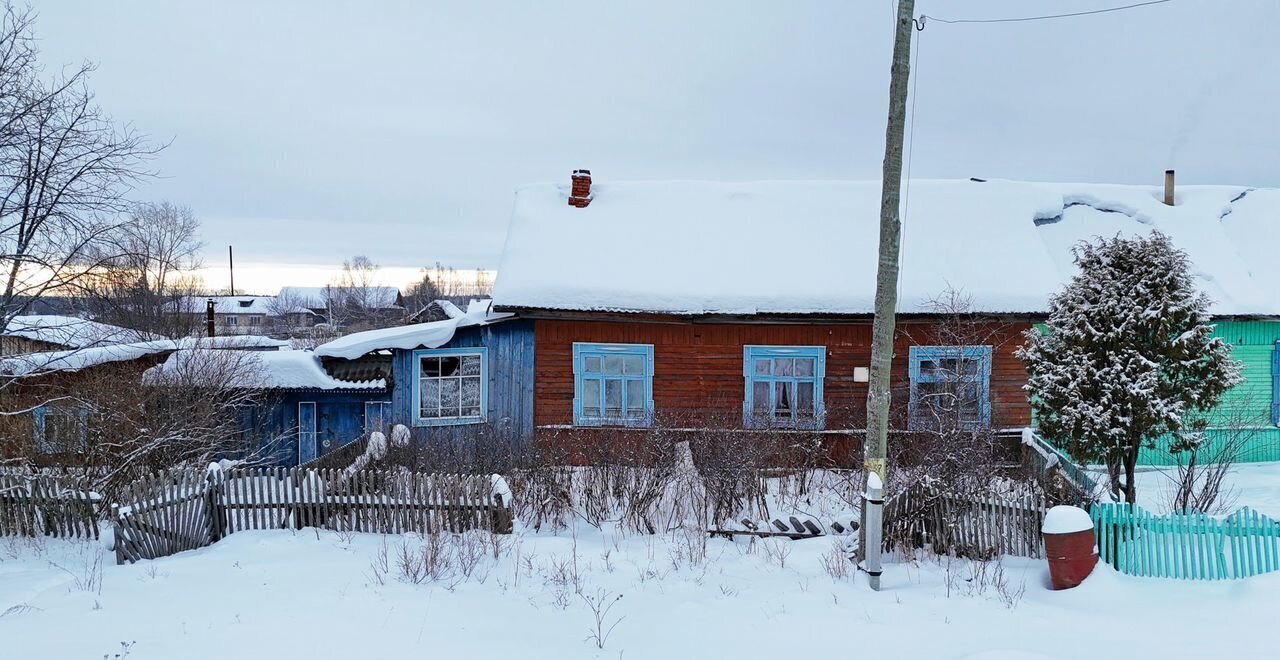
(233, 315)
(49, 332)
(344, 307)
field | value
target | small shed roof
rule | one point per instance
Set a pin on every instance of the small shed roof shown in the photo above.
(810, 247)
(71, 331)
(79, 359)
(266, 370)
(418, 335)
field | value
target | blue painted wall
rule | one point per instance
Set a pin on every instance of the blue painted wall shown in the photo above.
(340, 419)
(509, 410)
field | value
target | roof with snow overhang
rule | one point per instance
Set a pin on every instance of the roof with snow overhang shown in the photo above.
(265, 370)
(417, 335)
(810, 247)
(71, 331)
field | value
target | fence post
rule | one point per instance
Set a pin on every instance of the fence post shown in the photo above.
(874, 501)
(117, 533)
(213, 503)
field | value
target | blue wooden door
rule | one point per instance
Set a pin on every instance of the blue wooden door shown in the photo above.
(377, 416)
(306, 431)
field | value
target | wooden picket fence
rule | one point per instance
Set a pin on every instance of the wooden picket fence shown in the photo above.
(47, 503)
(969, 526)
(1191, 546)
(176, 511)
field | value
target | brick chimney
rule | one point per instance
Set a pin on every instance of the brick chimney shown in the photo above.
(580, 196)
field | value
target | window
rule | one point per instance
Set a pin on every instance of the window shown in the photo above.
(451, 386)
(61, 429)
(784, 386)
(613, 384)
(255, 320)
(231, 320)
(950, 387)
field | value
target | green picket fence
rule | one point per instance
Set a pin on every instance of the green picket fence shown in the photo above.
(1191, 546)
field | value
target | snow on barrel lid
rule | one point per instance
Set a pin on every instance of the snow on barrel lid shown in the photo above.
(1066, 520)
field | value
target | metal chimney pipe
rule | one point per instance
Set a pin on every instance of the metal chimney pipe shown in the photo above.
(1168, 187)
(210, 326)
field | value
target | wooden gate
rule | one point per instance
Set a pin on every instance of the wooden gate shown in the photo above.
(170, 512)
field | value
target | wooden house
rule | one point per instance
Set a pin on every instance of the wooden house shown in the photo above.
(39, 333)
(748, 305)
(455, 380)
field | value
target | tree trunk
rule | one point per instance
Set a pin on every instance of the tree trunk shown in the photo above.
(875, 446)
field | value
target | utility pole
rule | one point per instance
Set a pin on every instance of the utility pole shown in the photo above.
(875, 446)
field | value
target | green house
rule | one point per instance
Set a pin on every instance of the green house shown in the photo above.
(1248, 414)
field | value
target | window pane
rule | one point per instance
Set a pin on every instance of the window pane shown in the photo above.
(471, 392)
(592, 365)
(473, 411)
(804, 397)
(590, 396)
(804, 366)
(613, 364)
(430, 367)
(764, 367)
(449, 396)
(612, 397)
(783, 400)
(449, 365)
(430, 398)
(633, 365)
(783, 367)
(471, 365)
(635, 398)
(760, 397)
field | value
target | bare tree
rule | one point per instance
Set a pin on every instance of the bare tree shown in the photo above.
(65, 167)
(146, 278)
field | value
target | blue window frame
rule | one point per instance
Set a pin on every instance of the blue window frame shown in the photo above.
(61, 429)
(784, 386)
(450, 386)
(950, 387)
(612, 384)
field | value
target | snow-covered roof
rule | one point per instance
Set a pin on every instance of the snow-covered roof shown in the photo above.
(284, 370)
(242, 342)
(82, 358)
(264, 305)
(418, 335)
(810, 247)
(70, 331)
(317, 297)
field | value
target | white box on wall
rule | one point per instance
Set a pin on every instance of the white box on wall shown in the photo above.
(861, 374)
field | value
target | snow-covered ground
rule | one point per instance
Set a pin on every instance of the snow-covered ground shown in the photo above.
(309, 594)
(1255, 485)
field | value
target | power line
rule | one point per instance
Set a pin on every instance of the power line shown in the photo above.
(1021, 19)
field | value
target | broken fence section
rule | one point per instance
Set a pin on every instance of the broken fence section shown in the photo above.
(176, 511)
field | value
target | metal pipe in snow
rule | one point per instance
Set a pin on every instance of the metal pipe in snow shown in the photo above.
(1168, 187)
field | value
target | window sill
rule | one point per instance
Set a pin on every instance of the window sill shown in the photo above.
(447, 421)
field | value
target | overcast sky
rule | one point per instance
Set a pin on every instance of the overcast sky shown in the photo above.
(306, 132)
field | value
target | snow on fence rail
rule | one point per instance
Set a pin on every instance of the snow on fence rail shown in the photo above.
(178, 511)
(1188, 546)
(47, 503)
(1045, 459)
(970, 526)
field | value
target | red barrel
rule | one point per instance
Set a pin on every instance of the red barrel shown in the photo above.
(1070, 546)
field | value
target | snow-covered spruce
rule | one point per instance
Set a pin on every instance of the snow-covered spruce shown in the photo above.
(1127, 356)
